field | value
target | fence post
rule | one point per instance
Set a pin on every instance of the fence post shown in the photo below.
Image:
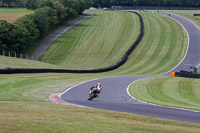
(15, 55)
(21, 55)
(9, 53)
(3, 53)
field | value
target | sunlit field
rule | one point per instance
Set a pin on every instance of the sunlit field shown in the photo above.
(11, 15)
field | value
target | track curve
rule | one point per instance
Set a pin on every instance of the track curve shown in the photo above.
(115, 97)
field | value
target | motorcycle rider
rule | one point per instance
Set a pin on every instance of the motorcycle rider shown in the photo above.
(96, 89)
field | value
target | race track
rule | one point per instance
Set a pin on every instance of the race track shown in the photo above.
(115, 97)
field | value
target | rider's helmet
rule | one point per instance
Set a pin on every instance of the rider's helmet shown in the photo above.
(99, 84)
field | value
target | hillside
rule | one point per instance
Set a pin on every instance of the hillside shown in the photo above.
(24, 103)
(23, 63)
(98, 42)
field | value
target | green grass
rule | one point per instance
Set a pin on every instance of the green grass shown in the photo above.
(52, 31)
(161, 49)
(38, 87)
(14, 10)
(23, 63)
(21, 95)
(100, 42)
(23, 117)
(24, 107)
(97, 42)
(168, 91)
(187, 14)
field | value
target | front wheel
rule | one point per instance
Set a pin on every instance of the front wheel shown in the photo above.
(92, 96)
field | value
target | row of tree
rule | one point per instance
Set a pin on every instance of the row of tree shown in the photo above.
(28, 29)
(9, 3)
(167, 3)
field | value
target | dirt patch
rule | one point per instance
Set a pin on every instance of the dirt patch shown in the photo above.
(11, 17)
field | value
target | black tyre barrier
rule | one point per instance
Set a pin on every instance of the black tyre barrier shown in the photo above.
(196, 15)
(187, 74)
(99, 70)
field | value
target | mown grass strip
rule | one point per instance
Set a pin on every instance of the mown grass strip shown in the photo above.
(98, 42)
(23, 63)
(168, 91)
(189, 14)
(33, 117)
(43, 117)
(162, 47)
(38, 87)
(105, 69)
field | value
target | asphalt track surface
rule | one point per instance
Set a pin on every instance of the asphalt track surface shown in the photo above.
(114, 95)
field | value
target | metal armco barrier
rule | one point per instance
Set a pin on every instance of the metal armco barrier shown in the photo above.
(100, 70)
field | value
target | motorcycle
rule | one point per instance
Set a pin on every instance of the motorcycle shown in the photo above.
(92, 95)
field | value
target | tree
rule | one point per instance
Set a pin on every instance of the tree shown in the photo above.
(44, 19)
(13, 37)
(29, 4)
(6, 3)
(56, 5)
(5, 28)
(28, 23)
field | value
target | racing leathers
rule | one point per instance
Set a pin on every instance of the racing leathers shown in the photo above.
(96, 89)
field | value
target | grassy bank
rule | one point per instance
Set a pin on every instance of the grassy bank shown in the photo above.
(168, 91)
(25, 117)
(21, 95)
(38, 87)
(187, 14)
(98, 42)
(161, 49)
(52, 32)
(23, 63)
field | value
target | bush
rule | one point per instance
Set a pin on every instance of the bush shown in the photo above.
(13, 37)
(28, 23)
